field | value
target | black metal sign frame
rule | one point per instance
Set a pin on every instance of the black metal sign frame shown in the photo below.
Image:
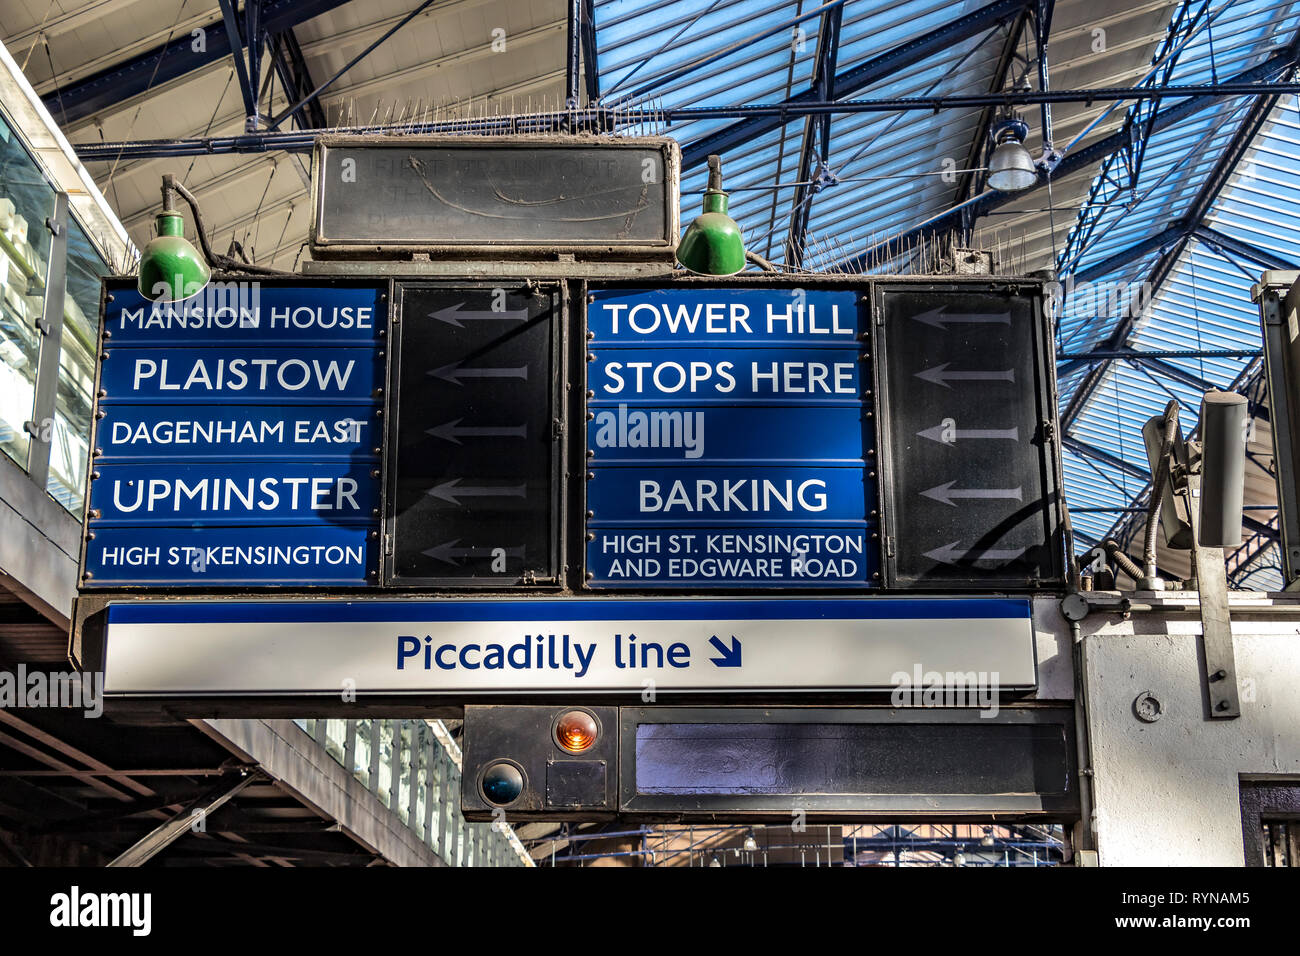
(549, 575)
(325, 244)
(1044, 393)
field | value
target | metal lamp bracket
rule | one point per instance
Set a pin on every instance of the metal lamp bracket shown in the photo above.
(1219, 672)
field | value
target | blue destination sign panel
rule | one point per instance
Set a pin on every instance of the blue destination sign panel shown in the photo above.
(738, 433)
(234, 493)
(245, 431)
(249, 313)
(725, 375)
(230, 375)
(730, 317)
(730, 557)
(221, 557)
(762, 494)
(728, 434)
(237, 437)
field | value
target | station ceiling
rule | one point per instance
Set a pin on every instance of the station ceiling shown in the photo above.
(1184, 199)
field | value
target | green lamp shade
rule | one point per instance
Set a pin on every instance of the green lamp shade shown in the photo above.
(712, 244)
(170, 267)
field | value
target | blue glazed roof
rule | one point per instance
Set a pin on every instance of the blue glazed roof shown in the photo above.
(887, 172)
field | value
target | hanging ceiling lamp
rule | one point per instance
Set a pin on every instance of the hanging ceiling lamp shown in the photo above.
(712, 244)
(170, 267)
(1011, 168)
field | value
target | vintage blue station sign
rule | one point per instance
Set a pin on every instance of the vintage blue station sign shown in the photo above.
(727, 317)
(752, 494)
(224, 557)
(317, 432)
(724, 375)
(235, 492)
(237, 437)
(730, 439)
(734, 557)
(250, 312)
(220, 375)
(729, 433)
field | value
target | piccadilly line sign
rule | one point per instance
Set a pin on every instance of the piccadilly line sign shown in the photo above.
(237, 438)
(561, 645)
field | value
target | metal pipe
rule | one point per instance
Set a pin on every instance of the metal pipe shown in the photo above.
(1100, 354)
(607, 117)
(1082, 740)
(172, 188)
(1117, 555)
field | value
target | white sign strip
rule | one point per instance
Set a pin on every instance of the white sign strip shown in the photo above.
(199, 657)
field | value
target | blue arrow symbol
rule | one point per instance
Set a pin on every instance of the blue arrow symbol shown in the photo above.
(730, 655)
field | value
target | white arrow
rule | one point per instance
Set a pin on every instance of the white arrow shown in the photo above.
(946, 493)
(453, 492)
(453, 315)
(940, 375)
(940, 433)
(452, 432)
(950, 553)
(454, 373)
(449, 553)
(940, 318)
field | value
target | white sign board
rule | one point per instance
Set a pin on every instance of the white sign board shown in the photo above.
(566, 646)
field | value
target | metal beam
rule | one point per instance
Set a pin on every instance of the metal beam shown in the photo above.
(1231, 244)
(1082, 158)
(170, 61)
(1162, 240)
(247, 88)
(858, 78)
(591, 69)
(1075, 359)
(573, 54)
(1170, 371)
(170, 831)
(1177, 232)
(613, 117)
(816, 136)
(316, 92)
(1255, 526)
(1042, 31)
(1196, 212)
(1106, 458)
(291, 67)
(254, 38)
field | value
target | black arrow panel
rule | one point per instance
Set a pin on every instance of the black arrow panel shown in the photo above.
(473, 440)
(969, 462)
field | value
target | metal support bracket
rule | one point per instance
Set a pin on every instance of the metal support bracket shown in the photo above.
(1220, 667)
(41, 427)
